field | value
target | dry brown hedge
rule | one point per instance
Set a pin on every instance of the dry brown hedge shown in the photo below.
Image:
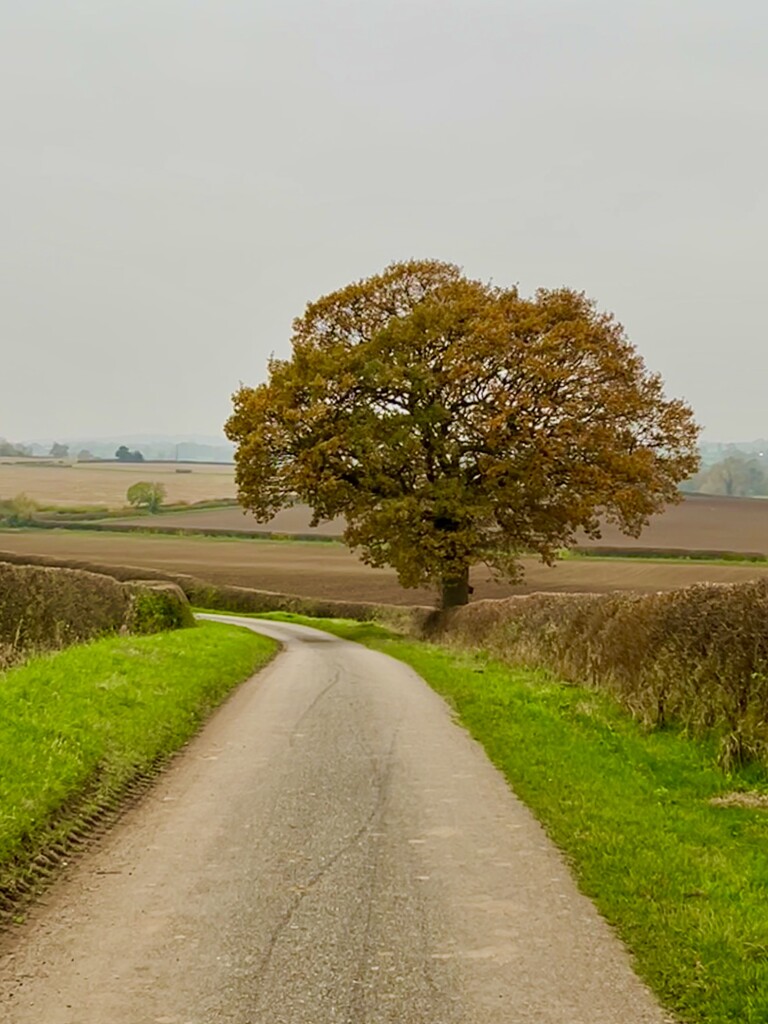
(696, 656)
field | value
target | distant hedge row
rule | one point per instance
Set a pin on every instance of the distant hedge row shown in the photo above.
(696, 657)
(146, 525)
(45, 608)
(695, 554)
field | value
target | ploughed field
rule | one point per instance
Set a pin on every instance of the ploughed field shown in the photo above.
(294, 520)
(701, 522)
(328, 570)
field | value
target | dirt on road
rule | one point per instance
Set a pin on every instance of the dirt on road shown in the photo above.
(332, 848)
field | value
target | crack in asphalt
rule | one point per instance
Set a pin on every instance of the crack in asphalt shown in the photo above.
(382, 779)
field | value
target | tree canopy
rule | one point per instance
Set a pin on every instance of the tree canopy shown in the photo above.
(146, 495)
(124, 454)
(735, 476)
(452, 422)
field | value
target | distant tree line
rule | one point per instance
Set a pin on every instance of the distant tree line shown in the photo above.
(124, 454)
(737, 476)
(8, 450)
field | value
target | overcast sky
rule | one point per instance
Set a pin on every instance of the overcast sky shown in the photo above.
(179, 177)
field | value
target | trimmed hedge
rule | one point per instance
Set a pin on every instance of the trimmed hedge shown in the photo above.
(156, 606)
(410, 619)
(145, 524)
(45, 608)
(696, 657)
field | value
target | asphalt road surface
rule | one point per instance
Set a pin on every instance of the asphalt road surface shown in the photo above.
(331, 848)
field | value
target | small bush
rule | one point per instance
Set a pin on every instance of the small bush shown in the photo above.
(18, 511)
(156, 607)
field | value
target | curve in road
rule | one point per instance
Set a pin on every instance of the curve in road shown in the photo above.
(331, 848)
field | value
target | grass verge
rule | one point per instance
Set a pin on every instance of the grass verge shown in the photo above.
(684, 882)
(79, 728)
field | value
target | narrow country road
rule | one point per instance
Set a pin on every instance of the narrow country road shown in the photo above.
(331, 849)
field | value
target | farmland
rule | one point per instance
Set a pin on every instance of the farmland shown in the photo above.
(98, 483)
(328, 570)
(701, 522)
(234, 520)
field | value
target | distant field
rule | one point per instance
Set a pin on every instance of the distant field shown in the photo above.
(330, 571)
(290, 520)
(700, 522)
(95, 483)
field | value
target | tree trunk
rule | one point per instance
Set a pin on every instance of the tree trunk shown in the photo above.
(455, 590)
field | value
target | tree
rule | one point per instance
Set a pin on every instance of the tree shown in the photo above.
(146, 495)
(735, 476)
(59, 451)
(124, 454)
(453, 422)
(8, 449)
(20, 511)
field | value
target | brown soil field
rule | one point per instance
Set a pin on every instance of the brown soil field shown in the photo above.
(330, 571)
(701, 522)
(98, 483)
(236, 520)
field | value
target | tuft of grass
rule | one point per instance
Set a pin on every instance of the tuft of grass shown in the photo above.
(79, 727)
(684, 882)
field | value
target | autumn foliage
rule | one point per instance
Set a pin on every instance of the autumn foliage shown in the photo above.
(452, 422)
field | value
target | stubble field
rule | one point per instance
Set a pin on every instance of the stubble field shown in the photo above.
(96, 483)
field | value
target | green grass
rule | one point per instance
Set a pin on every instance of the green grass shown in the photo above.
(685, 883)
(79, 726)
(87, 529)
(658, 558)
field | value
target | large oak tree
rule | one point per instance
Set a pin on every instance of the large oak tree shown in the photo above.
(453, 422)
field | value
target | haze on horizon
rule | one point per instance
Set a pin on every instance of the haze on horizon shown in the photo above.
(180, 179)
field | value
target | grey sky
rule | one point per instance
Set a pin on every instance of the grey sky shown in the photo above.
(179, 177)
